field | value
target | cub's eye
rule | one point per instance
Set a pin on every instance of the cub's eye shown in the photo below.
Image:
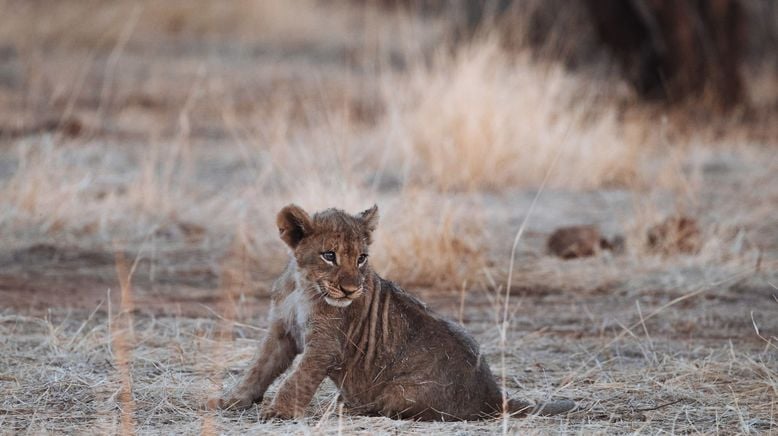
(329, 257)
(362, 259)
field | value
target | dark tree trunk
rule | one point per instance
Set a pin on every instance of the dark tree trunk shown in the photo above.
(674, 49)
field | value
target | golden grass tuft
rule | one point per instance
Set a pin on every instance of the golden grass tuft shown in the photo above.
(482, 120)
(430, 242)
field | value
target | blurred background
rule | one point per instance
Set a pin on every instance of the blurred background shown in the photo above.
(568, 159)
(191, 121)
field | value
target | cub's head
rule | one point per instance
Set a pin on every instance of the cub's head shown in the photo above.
(331, 249)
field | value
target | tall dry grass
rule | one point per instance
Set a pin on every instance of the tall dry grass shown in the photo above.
(482, 119)
(472, 120)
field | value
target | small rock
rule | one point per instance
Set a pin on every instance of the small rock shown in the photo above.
(581, 241)
(676, 234)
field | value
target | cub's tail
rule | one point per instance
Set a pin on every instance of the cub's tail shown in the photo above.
(523, 408)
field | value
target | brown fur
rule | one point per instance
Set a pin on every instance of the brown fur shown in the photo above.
(385, 350)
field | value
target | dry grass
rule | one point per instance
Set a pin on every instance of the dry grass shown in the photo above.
(95, 24)
(164, 136)
(483, 120)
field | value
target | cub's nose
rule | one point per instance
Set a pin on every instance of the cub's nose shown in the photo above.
(349, 289)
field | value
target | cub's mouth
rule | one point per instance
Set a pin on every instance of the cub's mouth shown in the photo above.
(338, 297)
(338, 302)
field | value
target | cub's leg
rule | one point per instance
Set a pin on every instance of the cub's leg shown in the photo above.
(276, 353)
(297, 390)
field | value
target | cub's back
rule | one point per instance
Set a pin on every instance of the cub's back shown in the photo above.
(440, 352)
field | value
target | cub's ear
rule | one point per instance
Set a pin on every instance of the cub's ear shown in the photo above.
(293, 225)
(370, 218)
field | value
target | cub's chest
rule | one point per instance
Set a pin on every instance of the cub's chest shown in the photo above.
(295, 312)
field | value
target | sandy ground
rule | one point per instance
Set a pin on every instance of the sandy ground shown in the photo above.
(644, 344)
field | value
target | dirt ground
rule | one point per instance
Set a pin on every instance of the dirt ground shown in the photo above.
(144, 152)
(687, 348)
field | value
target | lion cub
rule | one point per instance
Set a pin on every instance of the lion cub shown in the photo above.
(387, 353)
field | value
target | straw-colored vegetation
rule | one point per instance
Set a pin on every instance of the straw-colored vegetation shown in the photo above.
(145, 148)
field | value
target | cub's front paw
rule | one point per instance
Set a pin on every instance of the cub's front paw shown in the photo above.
(272, 412)
(232, 402)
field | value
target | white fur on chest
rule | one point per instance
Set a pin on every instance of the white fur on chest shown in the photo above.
(295, 310)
